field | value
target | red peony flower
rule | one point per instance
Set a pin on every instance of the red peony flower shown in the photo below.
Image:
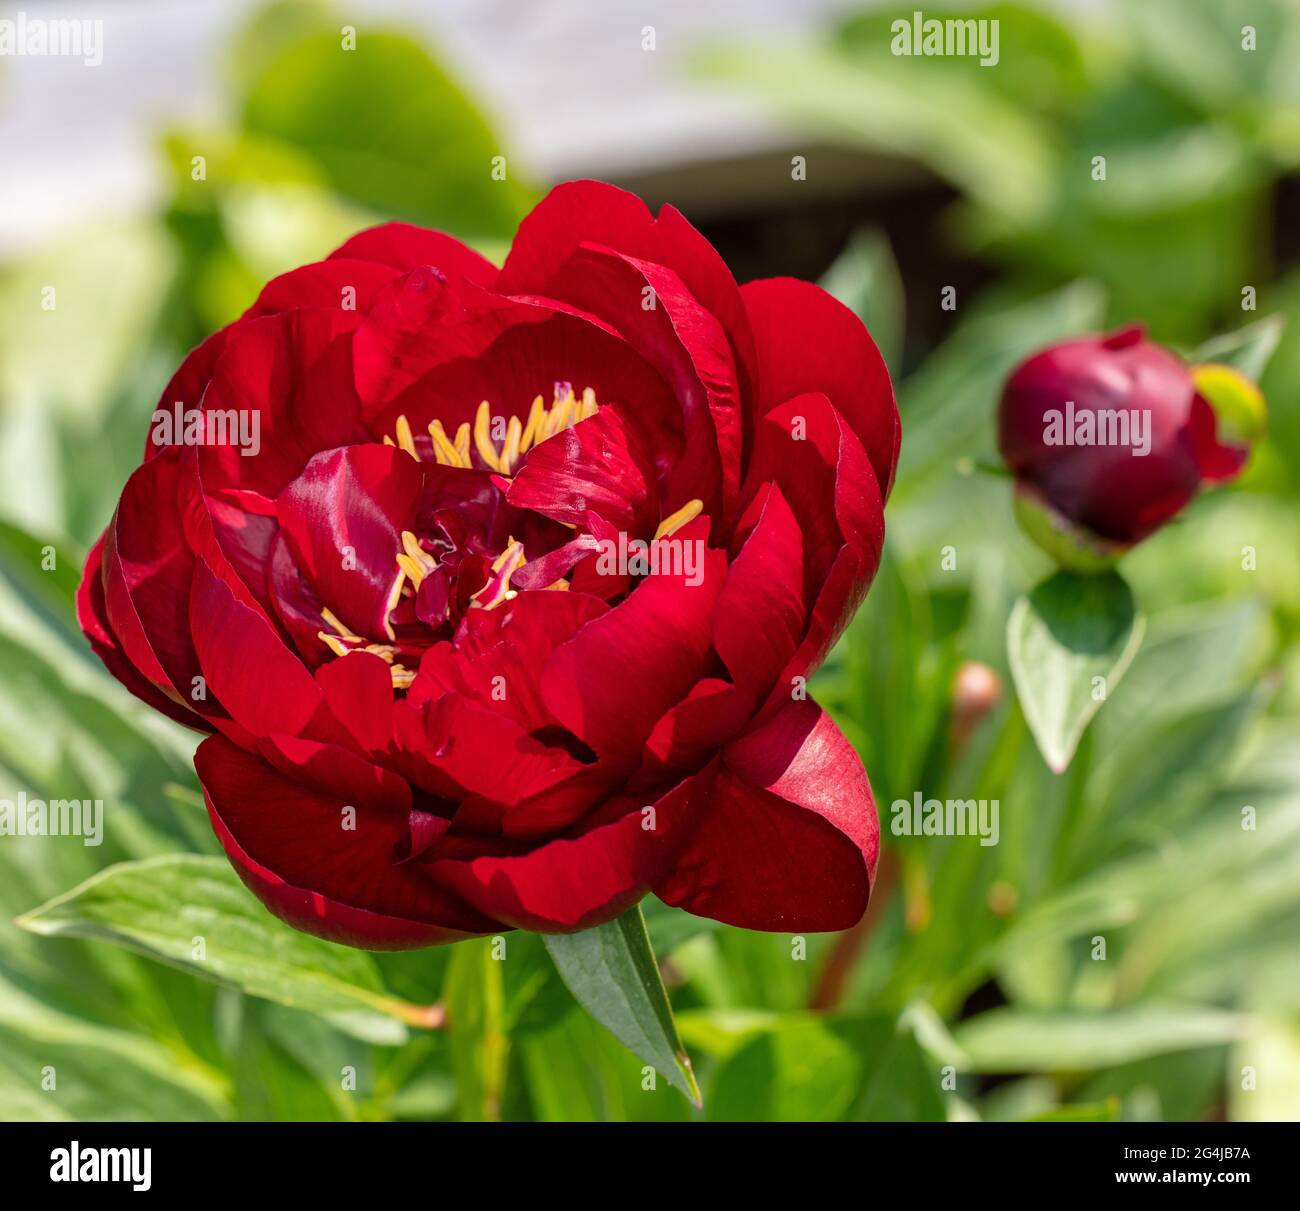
(496, 589)
(1109, 437)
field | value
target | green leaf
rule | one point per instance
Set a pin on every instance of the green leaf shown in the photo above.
(1248, 349)
(1016, 1040)
(1272, 1095)
(430, 160)
(612, 972)
(160, 906)
(807, 1069)
(98, 1073)
(474, 993)
(1089, 1112)
(1068, 633)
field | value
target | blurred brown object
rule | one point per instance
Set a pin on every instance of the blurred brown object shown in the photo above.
(976, 692)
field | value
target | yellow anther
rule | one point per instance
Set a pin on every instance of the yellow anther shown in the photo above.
(462, 444)
(487, 451)
(405, 438)
(402, 677)
(382, 650)
(589, 404)
(675, 521)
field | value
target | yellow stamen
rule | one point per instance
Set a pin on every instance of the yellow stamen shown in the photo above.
(675, 521)
(498, 587)
(513, 554)
(382, 650)
(483, 437)
(462, 444)
(443, 449)
(394, 596)
(536, 414)
(405, 438)
(388, 441)
(332, 621)
(561, 415)
(414, 572)
(402, 677)
(589, 404)
(334, 643)
(510, 451)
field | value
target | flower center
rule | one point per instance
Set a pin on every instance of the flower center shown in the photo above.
(498, 442)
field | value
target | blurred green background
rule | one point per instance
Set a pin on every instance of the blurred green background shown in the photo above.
(1127, 951)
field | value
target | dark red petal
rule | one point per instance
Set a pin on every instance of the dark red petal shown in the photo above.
(254, 676)
(600, 465)
(612, 681)
(358, 690)
(1218, 461)
(146, 569)
(688, 346)
(579, 881)
(403, 246)
(422, 320)
(829, 484)
(808, 341)
(343, 518)
(789, 838)
(293, 373)
(714, 712)
(578, 212)
(761, 618)
(187, 385)
(498, 656)
(349, 285)
(92, 615)
(288, 844)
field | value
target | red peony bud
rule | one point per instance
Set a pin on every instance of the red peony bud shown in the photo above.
(1109, 437)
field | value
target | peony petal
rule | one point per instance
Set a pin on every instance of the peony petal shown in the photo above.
(579, 881)
(290, 375)
(789, 839)
(343, 518)
(599, 465)
(403, 247)
(246, 665)
(288, 843)
(688, 346)
(808, 341)
(92, 616)
(760, 618)
(347, 284)
(613, 680)
(580, 212)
